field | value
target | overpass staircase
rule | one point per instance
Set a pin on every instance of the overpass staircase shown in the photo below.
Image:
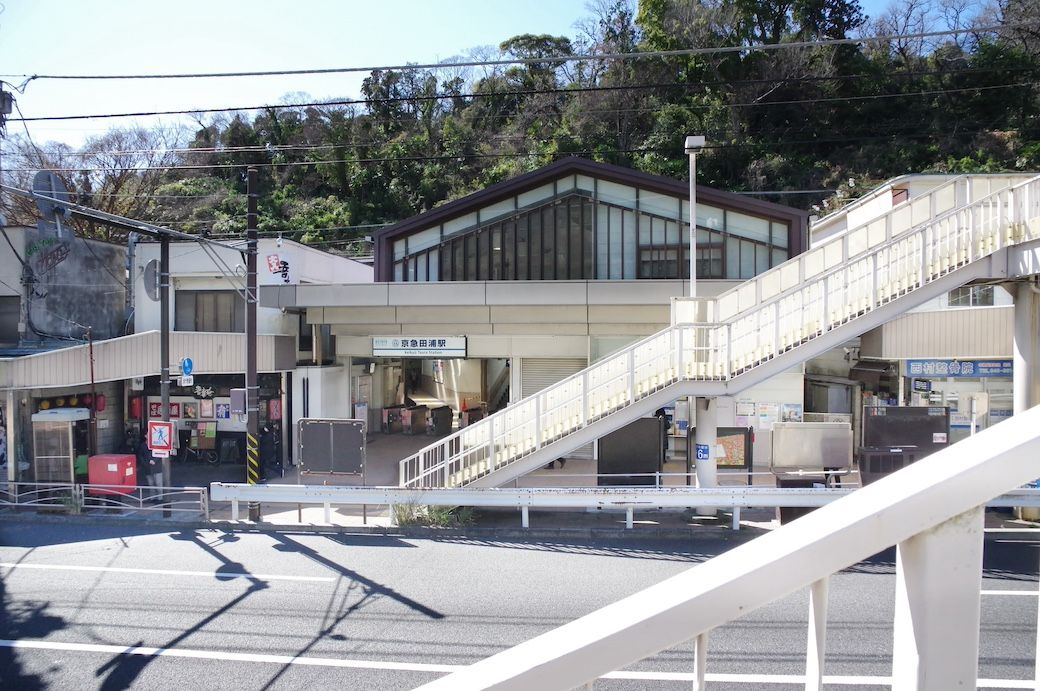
(865, 276)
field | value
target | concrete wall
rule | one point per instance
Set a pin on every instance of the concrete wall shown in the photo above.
(79, 283)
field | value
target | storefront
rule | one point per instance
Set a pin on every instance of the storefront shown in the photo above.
(976, 391)
(201, 413)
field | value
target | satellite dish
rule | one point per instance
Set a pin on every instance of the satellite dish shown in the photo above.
(151, 280)
(47, 184)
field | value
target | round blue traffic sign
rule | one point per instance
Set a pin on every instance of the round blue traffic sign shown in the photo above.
(187, 366)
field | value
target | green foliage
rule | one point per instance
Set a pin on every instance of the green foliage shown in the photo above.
(433, 516)
(806, 118)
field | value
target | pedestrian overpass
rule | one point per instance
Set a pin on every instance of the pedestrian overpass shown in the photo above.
(881, 265)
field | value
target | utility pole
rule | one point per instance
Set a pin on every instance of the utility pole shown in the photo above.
(164, 340)
(252, 390)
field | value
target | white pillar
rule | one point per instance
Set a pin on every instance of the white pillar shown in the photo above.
(938, 583)
(817, 644)
(704, 445)
(1025, 382)
(11, 413)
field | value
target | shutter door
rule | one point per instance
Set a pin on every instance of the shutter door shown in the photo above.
(538, 373)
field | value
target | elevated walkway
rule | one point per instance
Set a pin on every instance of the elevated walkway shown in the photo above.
(854, 282)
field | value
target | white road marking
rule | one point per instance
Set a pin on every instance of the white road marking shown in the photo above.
(1030, 593)
(170, 572)
(758, 679)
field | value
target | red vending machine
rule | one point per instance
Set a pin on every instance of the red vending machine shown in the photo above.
(119, 469)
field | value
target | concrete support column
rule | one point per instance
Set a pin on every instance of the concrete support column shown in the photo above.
(704, 447)
(938, 584)
(1027, 321)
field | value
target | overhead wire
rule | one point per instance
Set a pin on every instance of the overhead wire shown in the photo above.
(561, 59)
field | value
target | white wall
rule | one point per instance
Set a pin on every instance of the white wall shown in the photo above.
(329, 395)
(191, 268)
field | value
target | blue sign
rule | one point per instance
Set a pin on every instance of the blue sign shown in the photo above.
(959, 368)
(702, 452)
(187, 366)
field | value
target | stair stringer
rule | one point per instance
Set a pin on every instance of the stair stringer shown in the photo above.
(994, 265)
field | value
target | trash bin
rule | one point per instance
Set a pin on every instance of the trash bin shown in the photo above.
(470, 416)
(875, 462)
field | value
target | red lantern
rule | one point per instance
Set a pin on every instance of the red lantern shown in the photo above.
(135, 408)
(87, 398)
(99, 404)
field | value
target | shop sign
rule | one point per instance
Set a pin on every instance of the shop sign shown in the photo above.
(419, 346)
(959, 368)
(922, 385)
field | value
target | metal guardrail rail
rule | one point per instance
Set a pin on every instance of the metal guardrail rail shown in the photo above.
(628, 499)
(826, 291)
(77, 498)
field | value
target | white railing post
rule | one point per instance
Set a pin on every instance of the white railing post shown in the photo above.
(700, 660)
(328, 512)
(234, 509)
(537, 421)
(584, 397)
(628, 518)
(814, 653)
(631, 375)
(525, 518)
(936, 647)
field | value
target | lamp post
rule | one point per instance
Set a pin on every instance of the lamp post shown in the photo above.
(703, 409)
(694, 144)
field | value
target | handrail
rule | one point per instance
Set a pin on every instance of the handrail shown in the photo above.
(853, 243)
(929, 510)
(824, 296)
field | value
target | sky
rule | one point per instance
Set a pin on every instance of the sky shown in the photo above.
(104, 37)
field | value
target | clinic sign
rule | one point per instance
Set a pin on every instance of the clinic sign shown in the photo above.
(958, 368)
(419, 346)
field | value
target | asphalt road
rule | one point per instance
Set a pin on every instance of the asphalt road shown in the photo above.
(216, 610)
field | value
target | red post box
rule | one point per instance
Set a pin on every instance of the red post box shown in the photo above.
(118, 469)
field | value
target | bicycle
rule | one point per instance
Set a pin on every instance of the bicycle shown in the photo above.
(208, 456)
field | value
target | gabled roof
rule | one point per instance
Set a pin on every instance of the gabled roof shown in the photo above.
(603, 171)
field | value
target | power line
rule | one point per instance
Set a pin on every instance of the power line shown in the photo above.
(684, 52)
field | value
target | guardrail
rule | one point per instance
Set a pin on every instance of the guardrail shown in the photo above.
(608, 498)
(77, 498)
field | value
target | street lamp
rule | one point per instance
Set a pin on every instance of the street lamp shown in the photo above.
(694, 144)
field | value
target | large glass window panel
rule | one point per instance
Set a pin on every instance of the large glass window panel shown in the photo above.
(779, 257)
(399, 271)
(534, 220)
(433, 257)
(747, 259)
(562, 232)
(509, 250)
(780, 231)
(732, 258)
(586, 183)
(496, 253)
(459, 268)
(746, 226)
(617, 249)
(471, 258)
(548, 244)
(761, 259)
(538, 195)
(424, 239)
(523, 248)
(576, 235)
(646, 230)
(620, 195)
(446, 263)
(400, 248)
(710, 217)
(457, 225)
(659, 204)
(497, 210)
(588, 210)
(602, 241)
(672, 236)
(629, 250)
(483, 253)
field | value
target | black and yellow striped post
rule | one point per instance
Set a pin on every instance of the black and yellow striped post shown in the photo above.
(252, 389)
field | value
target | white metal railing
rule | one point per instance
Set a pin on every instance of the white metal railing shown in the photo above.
(852, 243)
(827, 290)
(76, 498)
(931, 511)
(628, 499)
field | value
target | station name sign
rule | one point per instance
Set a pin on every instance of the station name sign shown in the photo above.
(419, 346)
